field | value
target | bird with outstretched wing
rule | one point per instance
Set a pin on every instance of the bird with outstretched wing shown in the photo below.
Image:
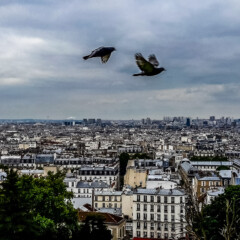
(103, 52)
(148, 68)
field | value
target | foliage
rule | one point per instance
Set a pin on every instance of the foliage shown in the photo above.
(140, 156)
(36, 208)
(220, 219)
(216, 158)
(123, 159)
(223, 168)
(16, 219)
(94, 228)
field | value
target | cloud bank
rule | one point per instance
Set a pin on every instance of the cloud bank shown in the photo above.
(43, 74)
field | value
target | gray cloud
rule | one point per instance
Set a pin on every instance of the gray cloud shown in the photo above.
(42, 72)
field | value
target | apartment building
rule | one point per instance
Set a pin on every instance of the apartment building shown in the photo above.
(108, 199)
(204, 181)
(159, 213)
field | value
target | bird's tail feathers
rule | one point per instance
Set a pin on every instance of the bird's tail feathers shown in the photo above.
(137, 74)
(86, 57)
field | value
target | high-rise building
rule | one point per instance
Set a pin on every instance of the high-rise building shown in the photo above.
(212, 118)
(188, 122)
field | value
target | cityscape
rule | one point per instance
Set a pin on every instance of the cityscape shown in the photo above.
(171, 165)
(119, 120)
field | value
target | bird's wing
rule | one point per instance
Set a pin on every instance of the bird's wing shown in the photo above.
(95, 51)
(143, 64)
(153, 60)
(105, 58)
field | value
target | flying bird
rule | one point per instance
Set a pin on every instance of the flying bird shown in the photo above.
(103, 52)
(149, 68)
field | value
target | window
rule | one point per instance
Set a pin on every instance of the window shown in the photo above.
(159, 226)
(138, 198)
(158, 217)
(165, 217)
(138, 225)
(152, 208)
(172, 200)
(152, 198)
(152, 234)
(158, 199)
(181, 209)
(181, 200)
(181, 228)
(165, 199)
(145, 207)
(145, 216)
(152, 226)
(159, 235)
(103, 205)
(159, 208)
(138, 234)
(152, 216)
(96, 205)
(173, 218)
(145, 234)
(138, 215)
(173, 228)
(145, 225)
(165, 208)
(172, 209)
(145, 198)
(96, 198)
(165, 227)
(138, 207)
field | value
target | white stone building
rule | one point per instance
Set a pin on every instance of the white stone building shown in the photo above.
(159, 213)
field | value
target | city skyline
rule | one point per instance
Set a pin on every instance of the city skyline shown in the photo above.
(43, 75)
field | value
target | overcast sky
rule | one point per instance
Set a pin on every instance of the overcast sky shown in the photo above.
(43, 75)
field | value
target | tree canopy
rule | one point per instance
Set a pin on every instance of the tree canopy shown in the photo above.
(205, 158)
(221, 219)
(36, 208)
(93, 228)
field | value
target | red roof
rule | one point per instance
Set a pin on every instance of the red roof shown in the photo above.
(109, 218)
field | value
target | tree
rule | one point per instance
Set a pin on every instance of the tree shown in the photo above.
(123, 159)
(16, 217)
(94, 228)
(222, 168)
(220, 220)
(36, 208)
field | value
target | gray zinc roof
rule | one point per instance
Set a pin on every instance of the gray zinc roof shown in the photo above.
(164, 192)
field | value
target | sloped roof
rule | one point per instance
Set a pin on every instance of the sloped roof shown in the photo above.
(109, 218)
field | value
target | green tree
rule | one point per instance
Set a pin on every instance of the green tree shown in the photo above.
(36, 208)
(94, 228)
(140, 156)
(216, 158)
(220, 220)
(16, 217)
(223, 168)
(123, 159)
